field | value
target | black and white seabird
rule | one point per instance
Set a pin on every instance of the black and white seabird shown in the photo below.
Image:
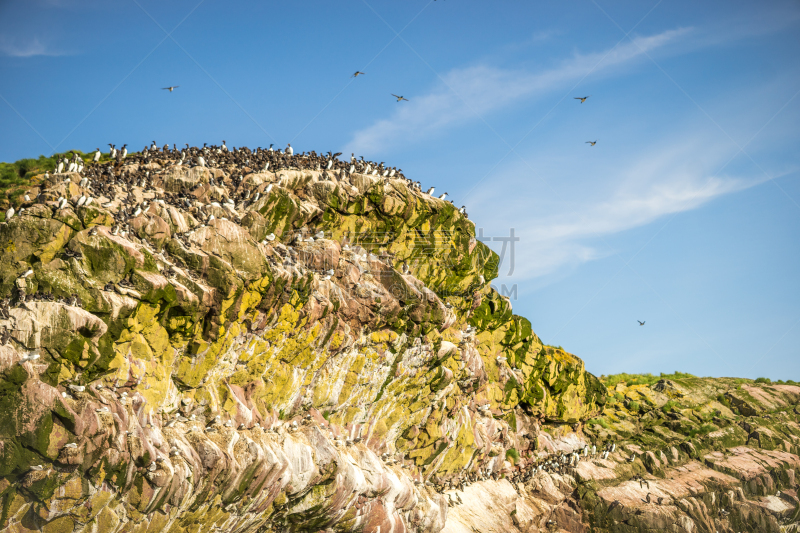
(581, 98)
(97, 155)
(357, 74)
(170, 89)
(591, 142)
(400, 98)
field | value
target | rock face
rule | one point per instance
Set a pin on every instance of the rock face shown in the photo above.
(190, 353)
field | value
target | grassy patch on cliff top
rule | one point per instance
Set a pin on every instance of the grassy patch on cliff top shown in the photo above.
(17, 176)
(613, 380)
(641, 379)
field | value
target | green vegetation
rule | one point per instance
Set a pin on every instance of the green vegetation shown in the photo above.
(602, 422)
(768, 381)
(669, 406)
(512, 455)
(641, 379)
(15, 177)
(634, 407)
(702, 430)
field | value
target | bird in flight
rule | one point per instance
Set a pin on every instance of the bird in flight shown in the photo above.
(591, 142)
(400, 98)
(581, 98)
(357, 74)
(641, 323)
(170, 89)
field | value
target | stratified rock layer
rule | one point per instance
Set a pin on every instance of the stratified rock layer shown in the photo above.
(181, 359)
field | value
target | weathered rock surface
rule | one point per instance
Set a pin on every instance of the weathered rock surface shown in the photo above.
(168, 365)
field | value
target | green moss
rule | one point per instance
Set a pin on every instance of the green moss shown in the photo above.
(602, 422)
(512, 455)
(640, 379)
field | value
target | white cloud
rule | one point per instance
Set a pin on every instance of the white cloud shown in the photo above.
(558, 232)
(465, 94)
(29, 49)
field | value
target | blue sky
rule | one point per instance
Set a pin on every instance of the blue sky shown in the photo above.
(686, 214)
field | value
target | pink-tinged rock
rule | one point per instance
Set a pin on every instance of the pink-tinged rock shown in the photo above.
(45, 325)
(152, 227)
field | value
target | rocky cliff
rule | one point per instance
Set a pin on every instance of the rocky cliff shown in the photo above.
(310, 345)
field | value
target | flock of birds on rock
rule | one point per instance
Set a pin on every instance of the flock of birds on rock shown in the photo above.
(104, 179)
(561, 463)
(124, 185)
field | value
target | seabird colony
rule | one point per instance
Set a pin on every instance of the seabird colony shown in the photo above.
(115, 180)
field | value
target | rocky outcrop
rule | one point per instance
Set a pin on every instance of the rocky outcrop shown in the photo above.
(222, 349)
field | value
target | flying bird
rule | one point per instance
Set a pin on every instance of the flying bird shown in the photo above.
(170, 89)
(591, 142)
(399, 98)
(641, 323)
(581, 98)
(357, 74)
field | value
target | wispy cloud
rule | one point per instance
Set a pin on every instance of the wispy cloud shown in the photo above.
(31, 48)
(559, 232)
(465, 94)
